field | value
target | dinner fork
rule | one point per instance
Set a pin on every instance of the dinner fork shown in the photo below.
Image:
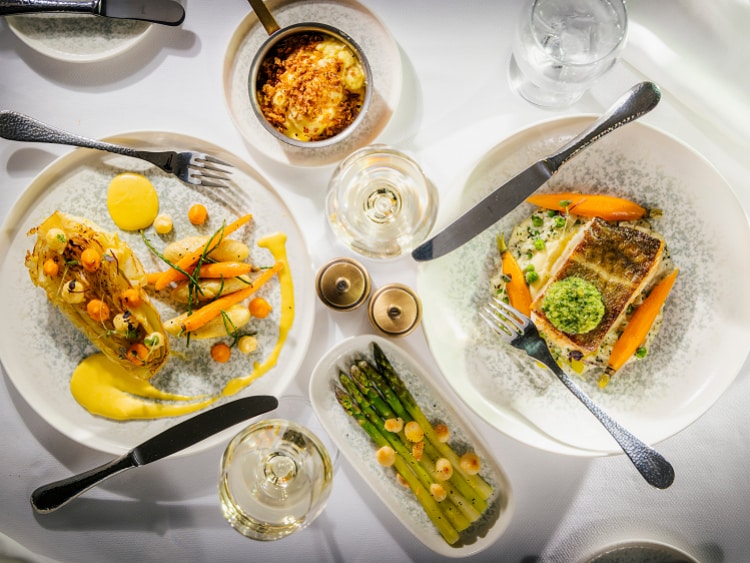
(194, 168)
(520, 332)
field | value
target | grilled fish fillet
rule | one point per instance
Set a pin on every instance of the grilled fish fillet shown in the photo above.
(132, 323)
(619, 261)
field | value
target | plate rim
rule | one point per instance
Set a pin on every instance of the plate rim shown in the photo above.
(59, 55)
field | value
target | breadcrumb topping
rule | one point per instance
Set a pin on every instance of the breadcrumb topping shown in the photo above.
(310, 86)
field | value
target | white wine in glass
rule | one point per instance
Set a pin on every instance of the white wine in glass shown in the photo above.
(380, 203)
(275, 479)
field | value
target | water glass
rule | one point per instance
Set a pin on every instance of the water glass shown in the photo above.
(276, 476)
(562, 47)
(380, 203)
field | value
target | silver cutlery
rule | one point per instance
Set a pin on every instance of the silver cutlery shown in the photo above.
(637, 101)
(165, 12)
(194, 168)
(48, 498)
(520, 332)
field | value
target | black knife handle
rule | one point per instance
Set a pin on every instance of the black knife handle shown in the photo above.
(8, 7)
(637, 101)
(54, 495)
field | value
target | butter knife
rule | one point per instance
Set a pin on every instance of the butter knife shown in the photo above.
(166, 12)
(637, 101)
(52, 496)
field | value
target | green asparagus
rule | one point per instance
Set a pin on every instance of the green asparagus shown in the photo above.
(430, 506)
(408, 401)
(369, 375)
(452, 510)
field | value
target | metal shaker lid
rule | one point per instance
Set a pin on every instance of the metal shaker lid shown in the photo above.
(343, 284)
(395, 310)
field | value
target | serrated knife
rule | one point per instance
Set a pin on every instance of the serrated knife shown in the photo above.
(52, 496)
(165, 12)
(637, 101)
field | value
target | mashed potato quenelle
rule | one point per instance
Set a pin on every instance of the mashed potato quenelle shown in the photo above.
(311, 86)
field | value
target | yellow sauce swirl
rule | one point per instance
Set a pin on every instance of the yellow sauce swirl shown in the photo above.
(106, 389)
(276, 244)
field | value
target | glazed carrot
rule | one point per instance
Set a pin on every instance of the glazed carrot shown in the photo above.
(188, 261)
(640, 324)
(518, 292)
(212, 270)
(607, 207)
(201, 316)
(228, 269)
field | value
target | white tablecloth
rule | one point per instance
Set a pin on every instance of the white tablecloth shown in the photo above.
(455, 57)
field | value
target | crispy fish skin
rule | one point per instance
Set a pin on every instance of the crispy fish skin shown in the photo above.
(620, 262)
(120, 270)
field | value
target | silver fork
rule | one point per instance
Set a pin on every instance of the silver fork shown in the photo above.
(194, 168)
(518, 330)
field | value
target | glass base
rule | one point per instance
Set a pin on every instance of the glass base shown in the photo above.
(543, 97)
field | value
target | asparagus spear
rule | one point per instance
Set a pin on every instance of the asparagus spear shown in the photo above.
(366, 384)
(366, 376)
(475, 496)
(431, 507)
(470, 506)
(459, 520)
(406, 398)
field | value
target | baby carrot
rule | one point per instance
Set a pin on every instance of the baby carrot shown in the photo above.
(212, 270)
(227, 269)
(640, 324)
(518, 292)
(188, 261)
(607, 207)
(201, 316)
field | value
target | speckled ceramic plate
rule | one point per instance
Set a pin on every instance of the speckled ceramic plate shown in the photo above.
(357, 447)
(77, 38)
(705, 337)
(40, 348)
(353, 19)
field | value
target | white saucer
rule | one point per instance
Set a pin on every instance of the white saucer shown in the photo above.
(353, 19)
(77, 38)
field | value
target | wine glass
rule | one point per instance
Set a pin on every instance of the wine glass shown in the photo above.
(276, 474)
(380, 203)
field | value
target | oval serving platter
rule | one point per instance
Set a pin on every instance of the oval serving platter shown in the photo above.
(359, 449)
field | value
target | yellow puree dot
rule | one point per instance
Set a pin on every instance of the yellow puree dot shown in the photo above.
(132, 201)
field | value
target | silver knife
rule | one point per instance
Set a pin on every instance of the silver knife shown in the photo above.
(636, 102)
(52, 496)
(166, 12)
